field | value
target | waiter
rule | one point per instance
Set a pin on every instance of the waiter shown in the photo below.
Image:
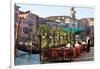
(88, 45)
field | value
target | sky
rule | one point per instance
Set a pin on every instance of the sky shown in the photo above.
(50, 10)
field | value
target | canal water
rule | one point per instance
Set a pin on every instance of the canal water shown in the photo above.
(24, 59)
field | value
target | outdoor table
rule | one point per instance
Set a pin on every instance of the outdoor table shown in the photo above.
(81, 48)
(77, 51)
(66, 53)
(74, 52)
(77, 46)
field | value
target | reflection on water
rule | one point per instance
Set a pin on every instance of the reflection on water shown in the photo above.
(24, 59)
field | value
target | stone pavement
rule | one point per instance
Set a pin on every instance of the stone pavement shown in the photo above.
(86, 56)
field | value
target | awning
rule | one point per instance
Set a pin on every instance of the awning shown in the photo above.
(77, 30)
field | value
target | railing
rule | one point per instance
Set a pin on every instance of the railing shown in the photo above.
(56, 54)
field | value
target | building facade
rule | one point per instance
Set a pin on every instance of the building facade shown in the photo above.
(62, 19)
(28, 27)
(89, 25)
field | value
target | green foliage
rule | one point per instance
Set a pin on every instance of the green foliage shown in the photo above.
(55, 33)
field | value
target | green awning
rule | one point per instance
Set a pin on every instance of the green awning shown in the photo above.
(72, 29)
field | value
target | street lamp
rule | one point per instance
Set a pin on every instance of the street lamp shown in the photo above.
(73, 12)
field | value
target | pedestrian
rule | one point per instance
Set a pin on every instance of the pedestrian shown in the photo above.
(88, 45)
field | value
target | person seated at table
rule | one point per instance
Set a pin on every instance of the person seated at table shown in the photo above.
(77, 44)
(83, 42)
(84, 45)
(69, 45)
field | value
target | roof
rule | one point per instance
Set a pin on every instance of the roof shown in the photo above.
(58, 16)
(22, 12)
(17, 6)
(87, 18)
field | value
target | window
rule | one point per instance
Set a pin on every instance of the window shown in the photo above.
(30, 30)
(24, 21)
(30, 23)
(26, 30)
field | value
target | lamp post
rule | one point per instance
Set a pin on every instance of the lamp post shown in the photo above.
(73, 12)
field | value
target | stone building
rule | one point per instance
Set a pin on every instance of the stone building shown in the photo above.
(28, 27)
